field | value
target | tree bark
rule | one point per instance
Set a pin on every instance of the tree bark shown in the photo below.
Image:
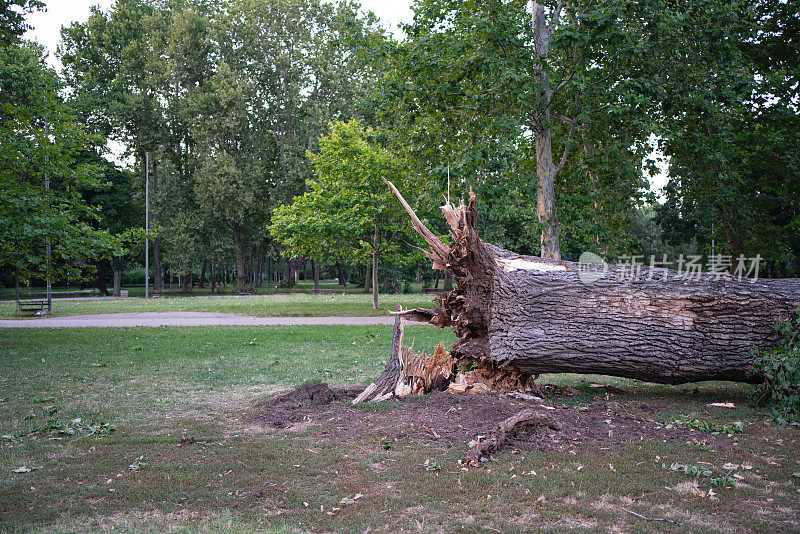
(340, 274)
(375, 270)
(546, 168)
(186, 280)
(315, 269)
(537, 315)
(202, 281)
(238, 248)
(294, 268)
(100, 281)
(117, 279)
(367, 277)
(158, 266)
(213, 279)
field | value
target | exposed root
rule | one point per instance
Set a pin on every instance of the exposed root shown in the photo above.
(505, 430)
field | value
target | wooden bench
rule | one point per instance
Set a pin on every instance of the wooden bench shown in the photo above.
(31, 306)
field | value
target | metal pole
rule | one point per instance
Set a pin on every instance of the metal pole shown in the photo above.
(49, 250)
(147, 225)
(713, 243)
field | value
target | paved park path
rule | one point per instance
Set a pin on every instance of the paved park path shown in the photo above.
(177, 318)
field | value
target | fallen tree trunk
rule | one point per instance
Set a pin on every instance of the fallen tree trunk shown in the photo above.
(534, 315)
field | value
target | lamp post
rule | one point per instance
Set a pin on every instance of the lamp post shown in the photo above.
(146, 225)
(49, 249)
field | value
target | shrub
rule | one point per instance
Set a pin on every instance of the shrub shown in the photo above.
(780, 370)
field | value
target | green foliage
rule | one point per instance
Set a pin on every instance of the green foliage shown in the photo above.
(691, 470)
(47, 423)
(732, 138)
(723, 482)
(706, 426)
(12, 18)
(349, 212)
(227, 97)
(780, 370)
(431, 465)
(138, 463)
(42, 141)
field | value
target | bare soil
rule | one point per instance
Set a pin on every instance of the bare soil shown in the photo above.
(456, 419)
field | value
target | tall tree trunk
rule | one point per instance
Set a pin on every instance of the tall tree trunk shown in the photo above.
(238, 248)
(259, 281)
(340, 274)
(203, 274)
(158, 266)
(367, 277)
(100, 281)
(117, 279)
(438, 276)
(294, 268)
(186, 280)
(546, 169)
(213, 279)
(315, 269)
(375, 270)
(546, 194)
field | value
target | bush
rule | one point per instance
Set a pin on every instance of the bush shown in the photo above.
(780, 369)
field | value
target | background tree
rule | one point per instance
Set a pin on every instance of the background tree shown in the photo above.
(511, 98)
(41, 175)
(12, 18)
(348, 210)
(227, 186)
(733, 138)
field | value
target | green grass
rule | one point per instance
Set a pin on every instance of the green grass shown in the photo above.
(159, 384)
(281, 305)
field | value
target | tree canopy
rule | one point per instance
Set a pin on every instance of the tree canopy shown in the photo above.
(269, 123)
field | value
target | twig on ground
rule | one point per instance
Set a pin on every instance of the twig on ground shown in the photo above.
(640, 516)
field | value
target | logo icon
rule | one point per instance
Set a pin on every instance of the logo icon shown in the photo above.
(591, 268)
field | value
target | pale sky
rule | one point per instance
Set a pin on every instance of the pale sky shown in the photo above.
(47, 31)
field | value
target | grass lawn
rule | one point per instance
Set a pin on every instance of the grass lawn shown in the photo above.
(158, 385)
(281, 305)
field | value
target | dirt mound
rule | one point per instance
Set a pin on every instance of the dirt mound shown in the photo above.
(283, 410)
(456, 419)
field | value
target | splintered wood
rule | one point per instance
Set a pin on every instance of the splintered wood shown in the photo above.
(415, 373)
(407, 373)
(485, 379)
